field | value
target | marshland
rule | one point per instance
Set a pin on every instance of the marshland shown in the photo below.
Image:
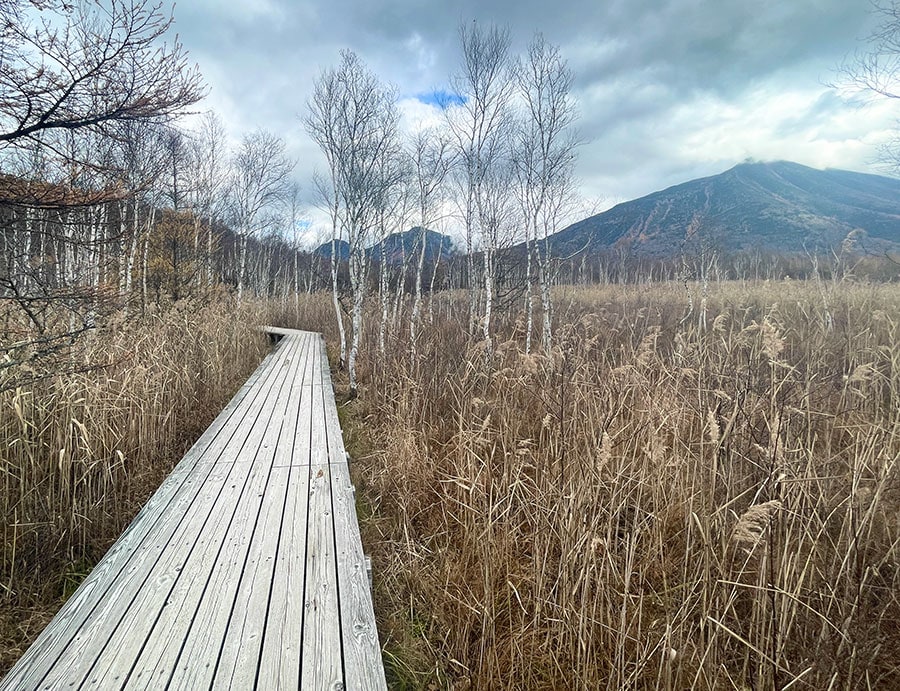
(645, 445)
(648, 504)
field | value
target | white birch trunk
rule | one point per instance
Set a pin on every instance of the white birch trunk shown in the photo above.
(529, 296)
(546, 300)
(488, 297)
(209, 252)
(335, 298)
(384, 299)
(242, 262)
(132, 253)
(357, 281)
(417, 298)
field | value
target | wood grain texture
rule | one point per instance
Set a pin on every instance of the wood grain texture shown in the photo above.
(362, 652)
(320, 666)
(239, 658)
(201, 600)
(78, 627)
(279, 664)
(244, 570)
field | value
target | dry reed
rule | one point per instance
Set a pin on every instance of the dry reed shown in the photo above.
(652, 504)
(83, 450)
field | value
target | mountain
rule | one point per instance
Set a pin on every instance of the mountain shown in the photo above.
(779, 207)
(398, 245)
(325, 249)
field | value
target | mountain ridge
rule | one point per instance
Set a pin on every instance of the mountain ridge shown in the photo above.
(777, 206)
(398, 246)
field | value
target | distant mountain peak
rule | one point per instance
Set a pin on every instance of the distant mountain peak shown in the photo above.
(779, 206)
(399, 246)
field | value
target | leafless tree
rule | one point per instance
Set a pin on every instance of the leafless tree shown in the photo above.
(78, 65)
(481, 132)
(393, 211)
(327, 199)
(208, 156)
(353, 118)
(544, 157)
(876, 70)
(260, 179)
(177, 182)
(292, 217)
(431, 161)
(142, 162)
(77, 80)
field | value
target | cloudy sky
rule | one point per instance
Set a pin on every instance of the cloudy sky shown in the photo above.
(668, 90)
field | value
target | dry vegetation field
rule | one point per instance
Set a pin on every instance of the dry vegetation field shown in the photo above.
(83, 451)
(650, 505)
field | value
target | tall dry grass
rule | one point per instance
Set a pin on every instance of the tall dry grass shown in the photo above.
(83, 450)
(649, 505)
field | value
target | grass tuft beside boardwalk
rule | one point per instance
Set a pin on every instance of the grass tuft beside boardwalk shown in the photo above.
(651, 504)
(85, 446)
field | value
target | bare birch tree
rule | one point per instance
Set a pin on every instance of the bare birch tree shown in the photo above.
(876, 68)
(431, 160)
(544, 156)
(141, 163)
(393, 207)
(207, 171)
(260, 179)
(353, 118)
(481, 127)
(71, 74)
(292, 216)
(327, 196)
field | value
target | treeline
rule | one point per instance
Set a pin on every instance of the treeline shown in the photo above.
(616, 266)
(500, 161)
(112, 202)
(109, 201)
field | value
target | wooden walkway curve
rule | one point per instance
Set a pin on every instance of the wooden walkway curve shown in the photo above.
(245, 569)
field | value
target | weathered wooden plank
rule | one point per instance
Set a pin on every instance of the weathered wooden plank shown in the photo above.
(183, 569)
(363, 667)
(182, 648)
(321, 662)
(321, 666)
(114, 662)
(279, 665)
(362, 652)
(194, 665)
(123, 568)
(239, 659)
(245, 570)
(313, 370)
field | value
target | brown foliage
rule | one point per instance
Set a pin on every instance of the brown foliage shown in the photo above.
(84, 448)
(649, 504)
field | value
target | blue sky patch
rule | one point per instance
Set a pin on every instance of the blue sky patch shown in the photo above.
(441, 98)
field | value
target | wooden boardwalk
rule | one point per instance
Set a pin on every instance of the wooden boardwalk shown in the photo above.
(243, 571)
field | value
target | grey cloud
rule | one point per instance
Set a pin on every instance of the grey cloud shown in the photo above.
(826, 106)
(636, 62)
(721, 46)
